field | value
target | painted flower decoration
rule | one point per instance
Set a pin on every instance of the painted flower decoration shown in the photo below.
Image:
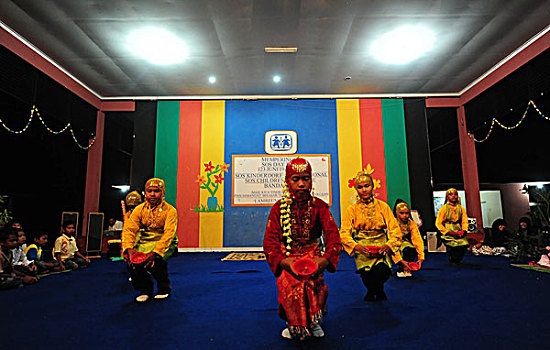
(224, 167)
(208, 167)
(351, 183)
(219, 178)
(369, 170)
(200, 179)
(376, 183)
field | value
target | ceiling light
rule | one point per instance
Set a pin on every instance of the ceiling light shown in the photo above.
(403, 45)
(157, 46)
(212, 79)
(281, 49)
(276, 78)
(123, 188)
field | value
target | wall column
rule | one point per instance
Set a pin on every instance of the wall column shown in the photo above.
(93, 174)
(469, 169)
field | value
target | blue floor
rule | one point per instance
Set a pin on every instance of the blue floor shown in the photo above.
(484, 304)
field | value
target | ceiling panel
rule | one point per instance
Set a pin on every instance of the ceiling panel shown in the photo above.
(227, 38)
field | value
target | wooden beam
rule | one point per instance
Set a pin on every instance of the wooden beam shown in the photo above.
(93, 174)
(436, 102)
(469, 169)
(118, 106)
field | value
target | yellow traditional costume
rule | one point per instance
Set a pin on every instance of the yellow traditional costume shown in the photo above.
(156, 227)
(151, 228)
(370, 222)
(412, 245)
(452, 218)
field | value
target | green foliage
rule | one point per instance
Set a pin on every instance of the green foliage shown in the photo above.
(541, 210)
(5, 214)
(204, 209)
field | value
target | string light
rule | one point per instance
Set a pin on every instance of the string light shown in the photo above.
(34, 111)
(494, 120)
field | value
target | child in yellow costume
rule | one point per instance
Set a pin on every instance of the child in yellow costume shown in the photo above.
(370, 222)
(156, 222)
(452, 222)
(412, 246)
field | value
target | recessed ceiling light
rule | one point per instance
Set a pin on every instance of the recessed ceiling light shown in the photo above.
(212, 79)
(157, 46)
(278, 49)
(403, 45)
(276, 78)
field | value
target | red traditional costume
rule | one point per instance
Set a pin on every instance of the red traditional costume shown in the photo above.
(293, 230)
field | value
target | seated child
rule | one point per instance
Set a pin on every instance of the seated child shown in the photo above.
(412, 247)
(65, 249)
(8, 278)
(34, 252)
(19, 259)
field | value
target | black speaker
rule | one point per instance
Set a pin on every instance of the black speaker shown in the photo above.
(95, 232)
(472, 225)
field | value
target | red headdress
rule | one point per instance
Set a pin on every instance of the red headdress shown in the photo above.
(296, 165)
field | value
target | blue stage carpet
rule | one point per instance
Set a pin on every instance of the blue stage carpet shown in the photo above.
(484, 304)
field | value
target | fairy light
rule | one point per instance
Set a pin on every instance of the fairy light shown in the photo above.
(495, 121)
(34, 111)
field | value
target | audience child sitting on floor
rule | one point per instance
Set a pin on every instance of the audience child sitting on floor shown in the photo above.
(8, 278)
(495, 240)
(65, 249)
(34, 252)
(19, 259)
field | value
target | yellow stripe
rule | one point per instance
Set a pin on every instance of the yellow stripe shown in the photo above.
(212, 150)
(349, 148)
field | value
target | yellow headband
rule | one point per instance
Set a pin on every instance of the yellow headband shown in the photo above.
(155, 182)
(451, 190)
(133, 198)
(362, 176)
(402, 205)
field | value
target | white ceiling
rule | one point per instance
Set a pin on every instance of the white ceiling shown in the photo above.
(226, 38)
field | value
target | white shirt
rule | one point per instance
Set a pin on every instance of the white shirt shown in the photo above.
(116, 227)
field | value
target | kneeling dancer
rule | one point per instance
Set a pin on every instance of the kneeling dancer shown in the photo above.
(370, 233)
(452, 223)
(155, 221)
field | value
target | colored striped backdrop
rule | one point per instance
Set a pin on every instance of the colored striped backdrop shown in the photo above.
(198, 138)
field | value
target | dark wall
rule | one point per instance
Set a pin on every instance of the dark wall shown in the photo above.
(43, 174)
(117, 161)
(128, 154)
(145, 129)
(418, 157)
(444, 146)
(521, 154)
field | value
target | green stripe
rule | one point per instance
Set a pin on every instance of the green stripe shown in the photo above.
(395, 151)
(166, 148)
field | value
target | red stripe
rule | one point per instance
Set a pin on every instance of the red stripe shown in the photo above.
(372, 142)
(189, 158)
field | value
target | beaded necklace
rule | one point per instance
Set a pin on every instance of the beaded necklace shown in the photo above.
(289, 220)
(368, 211)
